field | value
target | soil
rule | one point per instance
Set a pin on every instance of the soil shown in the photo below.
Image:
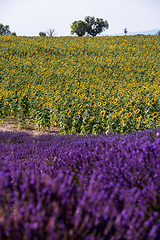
(10, 124)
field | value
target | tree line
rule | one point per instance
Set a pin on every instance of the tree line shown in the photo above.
(5, 30)
(91, 26)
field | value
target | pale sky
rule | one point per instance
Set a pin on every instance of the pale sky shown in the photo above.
(29, 17)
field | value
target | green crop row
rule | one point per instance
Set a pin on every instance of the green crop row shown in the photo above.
(83, 84)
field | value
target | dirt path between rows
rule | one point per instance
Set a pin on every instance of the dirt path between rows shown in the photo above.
(12, 125)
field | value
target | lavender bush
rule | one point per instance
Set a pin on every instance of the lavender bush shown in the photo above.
(80, 187)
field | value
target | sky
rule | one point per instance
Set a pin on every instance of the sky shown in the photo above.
(29, 17)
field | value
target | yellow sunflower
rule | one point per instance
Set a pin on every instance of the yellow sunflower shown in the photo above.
(103, 113)
(153, 101)
(92, 118)
(155, 114)
(129, 114)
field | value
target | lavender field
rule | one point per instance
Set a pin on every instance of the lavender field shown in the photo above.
(69, 187)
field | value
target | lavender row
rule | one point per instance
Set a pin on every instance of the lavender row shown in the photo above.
(80, 187)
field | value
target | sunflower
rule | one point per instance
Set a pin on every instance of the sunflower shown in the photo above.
(80, 111)
(103, 113)
(145, 121)
(80, 105)
(92, 118)
(155, 114)
(119, 113)
(129, 114)
(68, 110)
(138, 125)
(139, 119)
(153, 101)
(69, 113)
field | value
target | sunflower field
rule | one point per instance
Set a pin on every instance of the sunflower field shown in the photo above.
(82, 84)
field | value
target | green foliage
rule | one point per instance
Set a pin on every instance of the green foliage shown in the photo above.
(84, 85)
(13, 34)
(90, 25)
(158, 33)
(4, 30)
(42, 34)
(95, 26)
(79, 28)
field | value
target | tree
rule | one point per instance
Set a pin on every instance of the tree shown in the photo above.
(79, 28)
(13, 34)
(42, 34)
(125, 31)
(158, 33)
(51, 32)
(90, 25)
(4, 30)
(95, 26)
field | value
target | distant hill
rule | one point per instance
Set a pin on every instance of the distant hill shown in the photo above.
(149, 32)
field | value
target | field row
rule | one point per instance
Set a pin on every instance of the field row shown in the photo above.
(80, 187)
(84, 85)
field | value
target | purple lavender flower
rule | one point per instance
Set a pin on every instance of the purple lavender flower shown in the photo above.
(80, 187)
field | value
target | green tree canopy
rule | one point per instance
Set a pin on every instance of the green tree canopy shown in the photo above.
(95, 26)
(4, 30)
(13, 34)
(79, 28)
(158, 33)
(90, 25)
(42, 34)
